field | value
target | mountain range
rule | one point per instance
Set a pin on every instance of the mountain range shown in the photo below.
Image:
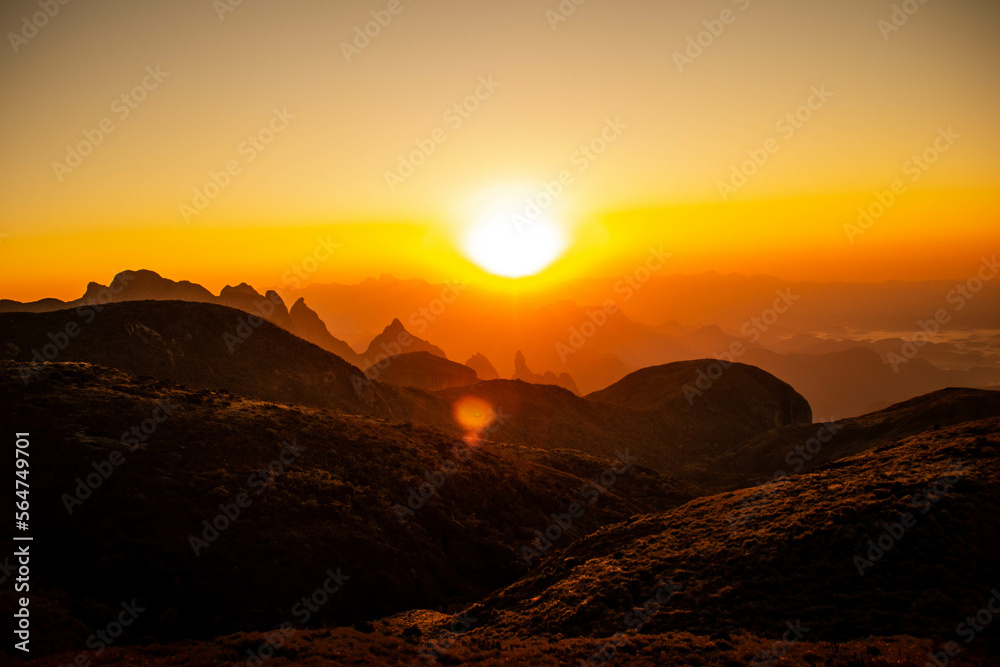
(838, 368)
(213, 459)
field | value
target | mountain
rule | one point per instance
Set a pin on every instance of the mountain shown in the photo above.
(270, 306)
(740, 401)
(217, 348)
(484, 369)
(894, 541)
(801, 448)
(856, 380)
(422, 370)
(321, 492)
(204, 346)
(524, 374)
(647, 413)
(307, 325)
(395, 340)
(598, 345)
(146, 285)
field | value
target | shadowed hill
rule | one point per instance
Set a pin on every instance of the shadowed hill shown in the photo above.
(805, 447)
(797, 556)
(217, 348)
(330, 506)
(744, 400)
(422, 370)
(645, 412)
(205, 346)
(144, 285)
(395, 340)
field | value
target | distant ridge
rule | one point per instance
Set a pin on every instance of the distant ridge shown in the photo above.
(422, 370)
(308, 325)
(523, 373)
(395, 340)
(206, 346)
(484, 369)
(145, 285)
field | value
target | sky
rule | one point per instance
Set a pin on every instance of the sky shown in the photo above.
(221, 142)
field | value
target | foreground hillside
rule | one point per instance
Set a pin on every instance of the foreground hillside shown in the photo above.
(217, 512)
(807, 574)
(799, 448)
(901, 539)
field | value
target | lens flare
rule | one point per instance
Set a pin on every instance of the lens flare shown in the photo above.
(474, 415)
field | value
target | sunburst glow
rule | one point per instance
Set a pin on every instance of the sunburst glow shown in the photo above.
(514, 239)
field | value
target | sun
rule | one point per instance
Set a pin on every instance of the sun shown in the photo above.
(514, 237)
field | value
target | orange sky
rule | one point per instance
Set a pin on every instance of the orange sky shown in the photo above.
(664, 137)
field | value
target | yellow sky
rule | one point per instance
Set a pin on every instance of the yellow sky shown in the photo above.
(266, 93)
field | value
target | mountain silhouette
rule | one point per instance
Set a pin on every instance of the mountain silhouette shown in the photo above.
(270, 306)
(523, 373)
(422, 370)
(307, 325)
(144, 285)
(484, 369)
(647, 413)
(395, 340)
(205, 346)
(217, 348)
